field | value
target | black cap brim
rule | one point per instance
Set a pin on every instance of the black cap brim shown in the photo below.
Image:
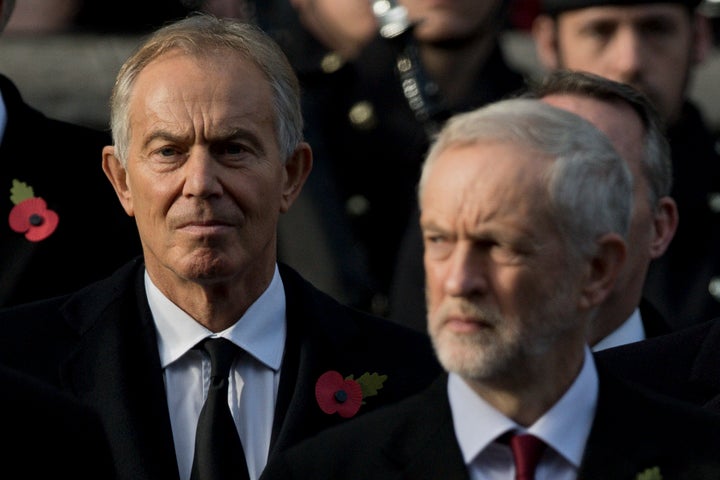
(553, 7)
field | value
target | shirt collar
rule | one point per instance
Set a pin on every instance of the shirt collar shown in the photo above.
(630, 331)
(260, 331)
(469, 412)
(565, 427)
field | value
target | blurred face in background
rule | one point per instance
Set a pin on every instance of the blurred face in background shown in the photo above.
(452, 20)
(652, 47)
(652, 226)
(344, 26)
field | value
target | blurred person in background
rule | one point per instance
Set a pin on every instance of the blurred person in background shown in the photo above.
(371, 110)
(321, 38)
(632, 125)
(61, 223)
(655, 46)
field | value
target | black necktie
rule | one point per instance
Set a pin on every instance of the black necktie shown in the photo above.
(218, 452)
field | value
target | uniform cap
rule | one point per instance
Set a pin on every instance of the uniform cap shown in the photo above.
(557, 6)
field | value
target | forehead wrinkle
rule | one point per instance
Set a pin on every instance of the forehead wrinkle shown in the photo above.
(498, 209)
(205, 126)
(207, 107)
(480, 201)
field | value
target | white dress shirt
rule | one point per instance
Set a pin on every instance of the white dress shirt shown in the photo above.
(564, 428)
(261, 333)
(631, 330)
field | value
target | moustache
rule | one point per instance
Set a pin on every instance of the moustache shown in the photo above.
(469, 311)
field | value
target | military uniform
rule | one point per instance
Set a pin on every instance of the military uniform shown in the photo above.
(368, 147)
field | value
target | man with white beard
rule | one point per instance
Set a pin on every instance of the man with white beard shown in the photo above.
(525, 212)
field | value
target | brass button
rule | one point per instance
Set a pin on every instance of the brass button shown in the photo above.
(331, 62)
(362, 115)
(714, 288)
(357, 205)
(714, 202)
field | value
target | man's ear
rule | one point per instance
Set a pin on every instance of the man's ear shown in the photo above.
(117, 175)
(604, 268)
(544, 34)
(702, 38)
(665, 225)
(297, 169)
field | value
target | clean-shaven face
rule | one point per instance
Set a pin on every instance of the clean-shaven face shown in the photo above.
(647, 46)
(204, 170)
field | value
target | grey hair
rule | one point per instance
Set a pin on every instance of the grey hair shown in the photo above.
(589, 186)
(201, 34)
(656, 162)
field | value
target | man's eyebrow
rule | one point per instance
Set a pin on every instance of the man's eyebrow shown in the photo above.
(221, 136)
(594, 23)
(162, 134)
(238, 133)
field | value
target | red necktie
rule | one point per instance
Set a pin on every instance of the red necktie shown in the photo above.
(527, 450)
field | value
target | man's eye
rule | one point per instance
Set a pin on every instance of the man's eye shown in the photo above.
(601, 30)
(234, 149)
(231, 149)
(433, 238)
(167, 151)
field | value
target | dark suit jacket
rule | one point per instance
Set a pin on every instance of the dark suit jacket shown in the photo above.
(48, 434)
(415, 439)
(62, 163)
(100, 345)
(680, 282)
(684, 364)
(653, 321)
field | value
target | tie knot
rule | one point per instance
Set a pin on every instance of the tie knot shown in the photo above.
(222, 353)
(527, 450)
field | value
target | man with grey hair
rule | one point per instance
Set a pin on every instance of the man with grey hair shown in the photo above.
(208, 154)
(631, 124)
(525, 210)
(62, 226)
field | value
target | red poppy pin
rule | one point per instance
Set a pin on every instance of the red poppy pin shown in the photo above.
(344, 396)
(30, 214)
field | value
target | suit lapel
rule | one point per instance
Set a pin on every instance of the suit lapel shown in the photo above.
(428, 449)
(705, 371)
(314, 341)
(116, 368)
(17, 250)
(626, 437)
